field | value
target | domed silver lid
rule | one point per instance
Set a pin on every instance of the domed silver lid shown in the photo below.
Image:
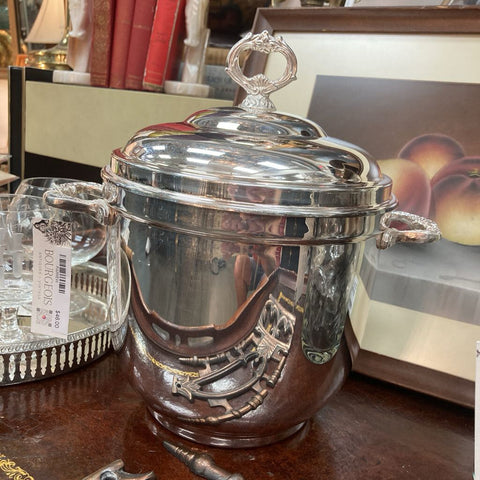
(252, 159)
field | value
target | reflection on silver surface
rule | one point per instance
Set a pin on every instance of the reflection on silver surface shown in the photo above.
(330, 272)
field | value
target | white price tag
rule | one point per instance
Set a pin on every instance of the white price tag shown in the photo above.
(51, 277)
(476, 470)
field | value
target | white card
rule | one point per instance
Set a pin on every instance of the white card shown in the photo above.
(477, 413)
(51, 277)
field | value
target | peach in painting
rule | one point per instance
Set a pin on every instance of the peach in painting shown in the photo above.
(410, 185)
(456, 201)
(432, 151)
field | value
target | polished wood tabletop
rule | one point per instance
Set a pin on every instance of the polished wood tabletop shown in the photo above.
(68, 427)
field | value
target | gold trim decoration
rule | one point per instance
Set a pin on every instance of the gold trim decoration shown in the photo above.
(289, 302)
(11, 470)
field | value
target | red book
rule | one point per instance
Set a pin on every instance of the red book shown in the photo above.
(139, 40)
(121, 40)
(163, 55)
(102, 32)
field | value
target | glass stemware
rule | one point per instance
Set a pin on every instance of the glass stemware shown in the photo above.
(88, 236)
(17, 215)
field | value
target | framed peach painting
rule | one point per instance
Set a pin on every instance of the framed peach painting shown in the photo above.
(404, 84)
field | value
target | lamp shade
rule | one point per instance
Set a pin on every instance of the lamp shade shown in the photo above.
(49, 26)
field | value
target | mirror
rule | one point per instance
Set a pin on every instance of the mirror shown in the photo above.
(16, 20)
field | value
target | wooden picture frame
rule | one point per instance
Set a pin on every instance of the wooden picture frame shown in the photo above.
(391, 43)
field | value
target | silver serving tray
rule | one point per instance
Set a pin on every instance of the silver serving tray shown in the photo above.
(40, 356)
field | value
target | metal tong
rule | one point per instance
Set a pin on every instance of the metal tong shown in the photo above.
(114, 471)
(200, 464)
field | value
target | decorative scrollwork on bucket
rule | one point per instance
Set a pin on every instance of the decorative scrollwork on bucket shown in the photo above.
(262, 355)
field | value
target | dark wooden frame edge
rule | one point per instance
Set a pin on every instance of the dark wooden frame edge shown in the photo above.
(415, 20)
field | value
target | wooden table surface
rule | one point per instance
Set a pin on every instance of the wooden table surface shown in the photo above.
(67, 427)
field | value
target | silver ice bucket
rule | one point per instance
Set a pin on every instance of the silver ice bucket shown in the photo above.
(240, 230)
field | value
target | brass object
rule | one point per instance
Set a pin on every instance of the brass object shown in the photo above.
(201, 464)
(6, 51)
(54, 58)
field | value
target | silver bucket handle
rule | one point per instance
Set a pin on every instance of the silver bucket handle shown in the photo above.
(420, 229)
(66, 196)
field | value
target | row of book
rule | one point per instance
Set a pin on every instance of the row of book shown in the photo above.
(136, 44)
